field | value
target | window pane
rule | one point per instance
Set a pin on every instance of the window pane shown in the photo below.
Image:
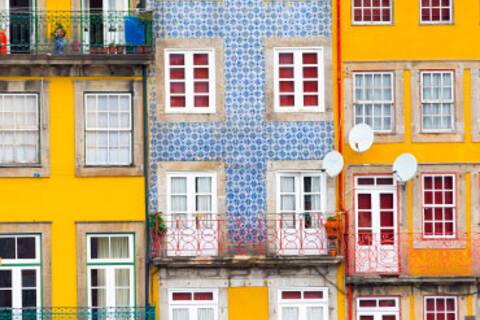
(314, 313)
(29, 298)
(179, 185)
(290, 313)
(5, 279)
(203, 185)
(182, 296)
(29, 278)
(180, 314)
(120, 248)
(5, 302)
(205, 314)
(26, 248)
(7, 248)
(287, 184)
(99, 248)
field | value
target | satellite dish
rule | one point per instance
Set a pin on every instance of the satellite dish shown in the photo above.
(333, 163)
(405, 167)
(361, 137)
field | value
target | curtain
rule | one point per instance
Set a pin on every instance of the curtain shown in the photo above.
(19, 140)
(314, 313)
(205, 314)
(178, 190)
(203, 189)
(100, 247)
(180, 314)
(98, 287)
(122, 287)
(287, 185)
(290, 313)
(119, 247)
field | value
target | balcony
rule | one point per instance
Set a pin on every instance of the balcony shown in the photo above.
(404, 255)
(78, 313)
(214, 239)
(75, 37)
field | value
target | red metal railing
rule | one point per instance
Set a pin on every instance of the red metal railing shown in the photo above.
(412, 254)
(207, 235)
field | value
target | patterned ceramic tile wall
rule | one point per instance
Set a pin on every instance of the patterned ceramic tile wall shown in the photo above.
(244, 141)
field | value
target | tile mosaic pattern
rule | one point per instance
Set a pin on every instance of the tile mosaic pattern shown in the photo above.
(244, 141)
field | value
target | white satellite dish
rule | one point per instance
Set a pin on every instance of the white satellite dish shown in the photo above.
(333, 163)
(405, 167)
(361, 137)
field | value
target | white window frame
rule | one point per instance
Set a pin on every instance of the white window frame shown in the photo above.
(378, 312)
(191, 193)
(193, 305)
(189, 80)
(130, 129)
(433, 206)
(436, 22)
(38, 129)
(299, 190)
(16, 266)
(389, 22)
(435, 300)
(441, 101)
(364, 103)
(303, 304)
(110, 266)
(298, 79)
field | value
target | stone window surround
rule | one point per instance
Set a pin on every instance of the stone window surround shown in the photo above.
(44, 229)
(134, 227)
(111, 86)
(475, 102)
(269, 44)
(402, 200)
(189, 283)
(40, 87)
(164, 167)
(398, 133)
(371, 23)
(218, 46)
(457, 134)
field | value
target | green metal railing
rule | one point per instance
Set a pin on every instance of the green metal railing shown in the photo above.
(75, 32)
(78, 313)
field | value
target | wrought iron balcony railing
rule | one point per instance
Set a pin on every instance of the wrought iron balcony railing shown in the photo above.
(208, 235)
(75, 33)
(78, 313)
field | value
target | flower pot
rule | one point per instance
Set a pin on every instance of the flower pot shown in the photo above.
(120, 50)
(140, 50)
(112, 50)
(331, 226)
(332, 252)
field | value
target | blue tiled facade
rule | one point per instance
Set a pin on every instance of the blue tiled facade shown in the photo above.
(245, 141)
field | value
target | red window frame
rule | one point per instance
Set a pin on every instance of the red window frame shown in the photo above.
(440, 308)
(436, 11)
(372, 11)
(439, 205)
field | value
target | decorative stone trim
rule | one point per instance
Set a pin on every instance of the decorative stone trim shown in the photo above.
(399, 120)
(131, 86)
(135, 227)
(40, 87)
(44, 229)
(218, 46)
(269, 45)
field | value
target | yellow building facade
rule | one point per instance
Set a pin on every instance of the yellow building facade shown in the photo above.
(72, 213)
(411, 73)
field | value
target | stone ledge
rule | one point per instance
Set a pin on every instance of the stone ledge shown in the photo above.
(87, 59)
(399, 280)
(246, 261)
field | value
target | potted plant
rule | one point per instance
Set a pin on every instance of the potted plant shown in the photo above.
(331, 226)
(58, 35)
(157, 224)
(112, 49)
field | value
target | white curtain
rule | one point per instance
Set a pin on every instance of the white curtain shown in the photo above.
(98, 287)
(205, 314)
(203, 186)
(287, 185)
(290, 313)
(102, 246)
(314, 313)
(19, 140)
(178, 189)
(180, 314)
(119, 247)
(122, 287)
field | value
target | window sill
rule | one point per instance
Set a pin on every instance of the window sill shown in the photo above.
(435, 243)
(89, 171)
(24, 172)
(191, 117)
(445, 136)
(299, 116)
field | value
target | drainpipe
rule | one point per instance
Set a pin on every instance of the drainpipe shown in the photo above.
(146, 170)
(340, 149)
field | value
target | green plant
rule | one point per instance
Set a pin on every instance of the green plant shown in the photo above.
(157, 223)
(332, 218)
